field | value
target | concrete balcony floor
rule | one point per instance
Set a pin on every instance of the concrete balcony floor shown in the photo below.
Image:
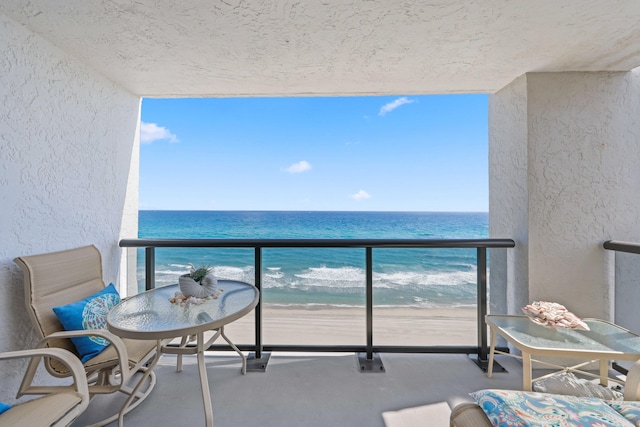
(311, 390)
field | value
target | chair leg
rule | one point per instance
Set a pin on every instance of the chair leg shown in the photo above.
(135, 396)
(138, 398)
(147, 372)
(104, 378)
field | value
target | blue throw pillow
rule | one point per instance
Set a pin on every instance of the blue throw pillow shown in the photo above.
(89, 313)
(4, 407)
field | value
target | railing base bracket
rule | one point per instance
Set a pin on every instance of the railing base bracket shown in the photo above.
(484, 365)
(258, 365)
(370, 365)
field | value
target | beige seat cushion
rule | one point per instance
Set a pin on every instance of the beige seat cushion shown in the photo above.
(40, 412)
(136, 351)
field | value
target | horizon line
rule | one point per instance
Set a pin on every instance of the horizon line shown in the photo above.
(301, 210)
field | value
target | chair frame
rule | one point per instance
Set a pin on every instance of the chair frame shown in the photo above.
(79, 386)
(103, 378)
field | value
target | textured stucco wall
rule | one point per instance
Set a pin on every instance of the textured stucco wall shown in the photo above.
(582, 151)
(508, 202)
(66, 141)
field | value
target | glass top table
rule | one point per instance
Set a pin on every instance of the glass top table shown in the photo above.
(604, 341)
(151, 316)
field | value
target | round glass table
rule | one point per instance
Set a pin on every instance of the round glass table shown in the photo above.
(151, 316)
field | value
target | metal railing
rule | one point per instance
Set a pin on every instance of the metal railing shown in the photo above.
(481, 245)
(616, 245)
(630, 248)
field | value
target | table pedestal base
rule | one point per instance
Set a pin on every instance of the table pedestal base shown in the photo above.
(199, 350)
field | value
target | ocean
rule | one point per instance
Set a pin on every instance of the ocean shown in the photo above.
(318, 277)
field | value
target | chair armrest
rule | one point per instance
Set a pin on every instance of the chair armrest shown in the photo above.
(66, 357)
(468, 415)
(116, 341)
(26, 386)
(632, 383)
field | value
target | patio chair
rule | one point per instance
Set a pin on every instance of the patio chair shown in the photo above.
(470, 414)
(57, 279)
(60, 404)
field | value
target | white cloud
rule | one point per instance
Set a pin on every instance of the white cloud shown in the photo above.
(150, 132)
(387, 108)
(301, 166)
(360, 195)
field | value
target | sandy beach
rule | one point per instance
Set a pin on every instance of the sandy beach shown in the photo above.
(346, 326)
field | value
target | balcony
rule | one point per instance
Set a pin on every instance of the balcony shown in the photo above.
(563, 149)
(318, 388)
(325, 384)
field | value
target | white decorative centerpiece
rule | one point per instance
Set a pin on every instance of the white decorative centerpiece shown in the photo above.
(199, 282)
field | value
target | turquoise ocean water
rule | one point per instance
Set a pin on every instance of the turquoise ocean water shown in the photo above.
(326, 276)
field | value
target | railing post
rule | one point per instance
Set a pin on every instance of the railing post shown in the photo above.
(369, 298)
(368, 361)
(258, 361)
(150, 268)
(483, 354)
(482, 303)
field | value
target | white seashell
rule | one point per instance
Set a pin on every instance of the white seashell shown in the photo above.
(554, 315)
(191, 288)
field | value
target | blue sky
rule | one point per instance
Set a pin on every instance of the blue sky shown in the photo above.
(392, 153)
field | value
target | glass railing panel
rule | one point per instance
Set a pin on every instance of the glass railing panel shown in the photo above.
(425, 293)
(425, 297)
(313, 296)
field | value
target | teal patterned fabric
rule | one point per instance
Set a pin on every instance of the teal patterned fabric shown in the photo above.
(629, 410)
(89, 313)
(506, 408)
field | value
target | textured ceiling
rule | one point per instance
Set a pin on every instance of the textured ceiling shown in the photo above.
(185, 48)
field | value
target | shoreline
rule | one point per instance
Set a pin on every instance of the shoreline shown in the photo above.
(394, 326)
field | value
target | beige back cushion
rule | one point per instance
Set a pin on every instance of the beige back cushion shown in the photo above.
(59, 278)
